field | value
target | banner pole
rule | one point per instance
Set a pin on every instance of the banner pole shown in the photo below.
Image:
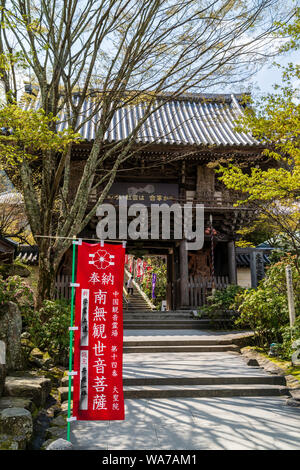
(71, 342)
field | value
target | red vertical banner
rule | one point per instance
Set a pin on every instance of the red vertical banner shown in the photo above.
(98, 342)
(138, 267)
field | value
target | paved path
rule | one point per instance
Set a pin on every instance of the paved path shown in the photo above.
(182, 334)
(187, 424)
(211, 423)
(187, 365)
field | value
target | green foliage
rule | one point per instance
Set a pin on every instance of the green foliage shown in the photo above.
(159, 267)
(265, 309)
(292, 32)
(289, 335)
(221, 305)
(281, 251)
(15, 289)
(33, 132)
(10, 60)
(48, 329)
(274, 121)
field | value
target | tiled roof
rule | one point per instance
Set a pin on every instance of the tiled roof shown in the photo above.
(190, 119)
(243, 260)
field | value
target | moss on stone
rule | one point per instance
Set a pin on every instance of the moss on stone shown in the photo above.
(286, 366)
(8, 443)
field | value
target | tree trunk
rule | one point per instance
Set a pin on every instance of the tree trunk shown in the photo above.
(46, 273)
(50, 257)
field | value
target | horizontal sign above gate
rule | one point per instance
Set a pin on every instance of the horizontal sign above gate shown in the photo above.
(146, 193)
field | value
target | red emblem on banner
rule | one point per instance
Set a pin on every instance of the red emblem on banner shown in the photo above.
(98, 344)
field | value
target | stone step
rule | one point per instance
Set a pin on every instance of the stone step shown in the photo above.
(168, 312)
(27, 385)
(159, 312)
(205, 380)
(197, 390)
(165, 327)
(166, 324)
(158, 315)
(205, 391)
(64, 393)
(152, 318)
(140, 300)
(180, 349)
(138, 303)
(177, 342)
(17, 402)
(133, 310)
(136, 308)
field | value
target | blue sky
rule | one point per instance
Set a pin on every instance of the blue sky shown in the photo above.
(264, 80)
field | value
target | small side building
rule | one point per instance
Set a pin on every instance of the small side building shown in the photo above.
(8, 249)
(250, 265)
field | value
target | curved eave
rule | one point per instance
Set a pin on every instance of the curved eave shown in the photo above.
(190, 120)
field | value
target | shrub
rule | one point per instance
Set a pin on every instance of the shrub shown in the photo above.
(221, 305)
(48, 329)
(289, 335)
(265, 309)
(15, 289)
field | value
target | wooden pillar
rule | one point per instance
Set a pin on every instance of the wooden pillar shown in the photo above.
(184, 274)
(231, 262)
(253, 269)
(169, 281)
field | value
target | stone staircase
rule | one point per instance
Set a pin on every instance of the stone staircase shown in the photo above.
(196, 374)
(187, 362)
(139, 315)
(173, 354)
(151, 375)
(135, 319)
(136, 303)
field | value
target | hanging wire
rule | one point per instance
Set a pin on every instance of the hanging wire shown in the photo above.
(78, 238)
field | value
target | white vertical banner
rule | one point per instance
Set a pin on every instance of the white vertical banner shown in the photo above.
(290, 294)
(85, 293)
(84, 363)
